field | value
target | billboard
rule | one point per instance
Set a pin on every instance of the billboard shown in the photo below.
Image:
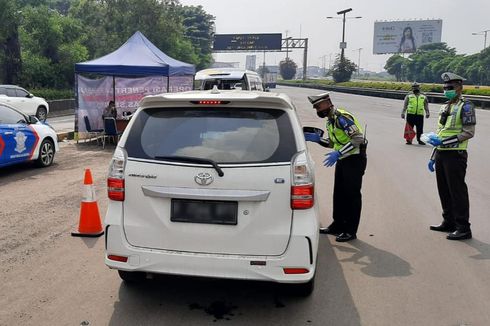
(247, 42)
(405, 36)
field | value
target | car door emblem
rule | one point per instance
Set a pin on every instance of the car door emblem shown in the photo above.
(203, 179)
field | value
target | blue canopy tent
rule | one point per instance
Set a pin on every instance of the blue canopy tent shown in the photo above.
(137, 58)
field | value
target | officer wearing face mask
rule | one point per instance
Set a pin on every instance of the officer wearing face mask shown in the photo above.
(415, 105)
(346, 138)
(456, 125)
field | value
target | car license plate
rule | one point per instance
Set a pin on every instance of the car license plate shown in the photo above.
(204, 211)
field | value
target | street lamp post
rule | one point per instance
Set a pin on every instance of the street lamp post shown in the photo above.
(359, 62)
(343, 45)
(485, 34)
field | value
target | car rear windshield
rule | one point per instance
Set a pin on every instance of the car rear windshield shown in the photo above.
(222, 135)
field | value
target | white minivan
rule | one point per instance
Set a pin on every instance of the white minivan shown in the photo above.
(214, 184)
(228, 78)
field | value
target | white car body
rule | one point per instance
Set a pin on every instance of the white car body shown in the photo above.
(25, 141)
(271, 241)
(23, 100)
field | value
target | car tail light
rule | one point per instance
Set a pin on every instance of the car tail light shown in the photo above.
(122, 259)
(295, 270)
(115, 179)
(302, 185)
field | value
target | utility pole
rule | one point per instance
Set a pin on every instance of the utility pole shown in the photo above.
(343, 45)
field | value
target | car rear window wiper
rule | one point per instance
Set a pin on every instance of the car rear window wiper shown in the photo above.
(192, 160)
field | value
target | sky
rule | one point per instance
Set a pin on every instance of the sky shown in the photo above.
(307, 19)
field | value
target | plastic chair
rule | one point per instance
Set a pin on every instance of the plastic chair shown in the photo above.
(97, 133)
(110, 131)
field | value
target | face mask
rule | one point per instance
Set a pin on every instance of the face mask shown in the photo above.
(322, 114)
(450, 94)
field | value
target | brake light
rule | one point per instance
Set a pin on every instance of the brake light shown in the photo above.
(210, 102)
(302, 185)
(115, 179)
(302, 197)
(115, 189)
(122, 259)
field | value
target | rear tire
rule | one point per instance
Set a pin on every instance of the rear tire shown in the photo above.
(42, 113)
(132, 277)
(46, 154)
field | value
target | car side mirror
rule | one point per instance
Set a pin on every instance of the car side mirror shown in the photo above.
(30, 95)
(313, 130)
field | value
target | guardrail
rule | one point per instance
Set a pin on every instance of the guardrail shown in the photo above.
(482, 102)
(61, 107)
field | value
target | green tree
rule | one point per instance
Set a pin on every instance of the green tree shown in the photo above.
(342, 69)
(199, 27)
(10, 52)
(394, 66)
(287, 69)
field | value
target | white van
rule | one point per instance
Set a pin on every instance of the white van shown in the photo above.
(214, 184)
(228, 78)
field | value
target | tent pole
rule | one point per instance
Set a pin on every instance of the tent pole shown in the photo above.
(168, 83)
(114, 89)
(75, 127)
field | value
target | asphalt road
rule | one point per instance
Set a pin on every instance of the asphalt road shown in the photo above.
(396, 273)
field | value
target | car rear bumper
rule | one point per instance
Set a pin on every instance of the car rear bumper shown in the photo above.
(300, 253)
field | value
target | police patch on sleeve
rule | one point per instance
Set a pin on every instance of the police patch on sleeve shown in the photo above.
(468, 116)
(347, 125)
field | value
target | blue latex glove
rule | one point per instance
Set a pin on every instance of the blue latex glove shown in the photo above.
(312, 136)
(434, 140)
(431, 165)
(331, 158)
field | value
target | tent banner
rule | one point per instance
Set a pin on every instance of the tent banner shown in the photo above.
(94, 95)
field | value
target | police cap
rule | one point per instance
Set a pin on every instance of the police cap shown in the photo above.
(315, 99)
(448, 77)
(415, 85)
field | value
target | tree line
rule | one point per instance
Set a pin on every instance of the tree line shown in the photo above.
(41, 40)
(430, 61)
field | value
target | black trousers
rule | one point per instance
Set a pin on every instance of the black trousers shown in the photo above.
(416, 120)
(453, 192)
(347, 197)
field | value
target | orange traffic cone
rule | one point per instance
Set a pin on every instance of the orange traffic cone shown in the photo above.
(89, 225)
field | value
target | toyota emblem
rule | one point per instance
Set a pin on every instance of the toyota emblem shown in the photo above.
(203, 179)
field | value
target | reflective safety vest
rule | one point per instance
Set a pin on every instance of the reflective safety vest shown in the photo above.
(452, 126)
(338, 136)
(416, 104)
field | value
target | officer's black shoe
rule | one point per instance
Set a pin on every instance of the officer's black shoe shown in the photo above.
(343, 237)
(459, 235)
(421, 142)
(329, 230)
(443, 227)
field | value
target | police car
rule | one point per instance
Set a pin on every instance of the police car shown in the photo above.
(24, 138)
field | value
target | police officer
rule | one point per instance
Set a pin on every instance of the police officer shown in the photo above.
(415, 105)
(456, 125)
(349, 144)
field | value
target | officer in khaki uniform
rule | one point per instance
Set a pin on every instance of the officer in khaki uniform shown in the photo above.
(415, 105)
(349, 144)
(456, 125)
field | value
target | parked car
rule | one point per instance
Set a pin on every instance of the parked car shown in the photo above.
(228, 78)
(214, 184)
(24, 101)
(24, 138)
